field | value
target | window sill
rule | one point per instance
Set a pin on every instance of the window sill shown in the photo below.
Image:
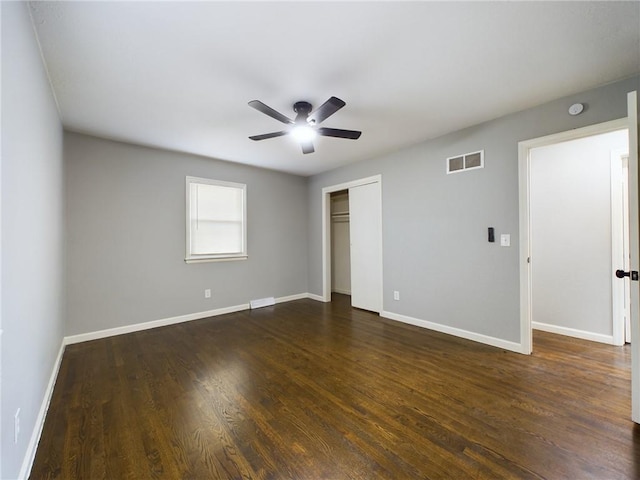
(215, 259)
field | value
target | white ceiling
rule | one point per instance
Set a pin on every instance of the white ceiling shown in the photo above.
(178, 75)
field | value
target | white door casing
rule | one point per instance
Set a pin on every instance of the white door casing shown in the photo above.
(524, 173)
(634, 253)
(326, 231)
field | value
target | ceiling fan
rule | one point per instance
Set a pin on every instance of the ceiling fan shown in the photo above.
(305, 126)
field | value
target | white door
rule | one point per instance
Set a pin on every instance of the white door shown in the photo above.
(634, 254)
(365, 230)
(626, 285)
(620, 242)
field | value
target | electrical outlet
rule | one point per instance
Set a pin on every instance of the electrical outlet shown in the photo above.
(16, 426)
(396, 295)
(207, 293)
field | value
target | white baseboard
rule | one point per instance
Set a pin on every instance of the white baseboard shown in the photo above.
(317, 298)
(343, 292)
(572, 332)
(291, 298)
(457, 332)
(137, 327)
(30, 454)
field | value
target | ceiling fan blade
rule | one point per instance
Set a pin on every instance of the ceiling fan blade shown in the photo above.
(339, 133)
(325, 110)
(264, 136)
(267, 110)
(307, 147)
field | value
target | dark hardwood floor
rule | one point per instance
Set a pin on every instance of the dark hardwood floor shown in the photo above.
(306, 390)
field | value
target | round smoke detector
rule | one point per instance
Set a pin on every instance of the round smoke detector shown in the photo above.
(576, 109)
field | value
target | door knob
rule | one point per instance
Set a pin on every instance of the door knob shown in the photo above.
(633, 274)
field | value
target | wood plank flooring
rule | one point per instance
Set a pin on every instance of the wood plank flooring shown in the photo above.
(306, 390)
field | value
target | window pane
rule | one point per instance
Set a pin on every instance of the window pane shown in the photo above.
(216, 237)
(219, 203)
(216, 219)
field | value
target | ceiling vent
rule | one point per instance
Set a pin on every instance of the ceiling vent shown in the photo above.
(468, 161)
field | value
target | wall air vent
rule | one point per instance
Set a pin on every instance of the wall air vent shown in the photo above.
(468, 161)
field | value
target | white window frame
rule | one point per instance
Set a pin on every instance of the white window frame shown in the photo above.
(197, 258)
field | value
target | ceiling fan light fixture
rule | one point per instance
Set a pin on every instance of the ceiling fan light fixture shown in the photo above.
(303, 133)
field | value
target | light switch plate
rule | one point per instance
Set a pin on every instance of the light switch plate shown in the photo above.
(505, 240)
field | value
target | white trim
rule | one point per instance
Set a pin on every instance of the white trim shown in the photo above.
(216, 259)
(317, 298)
(456, 332)
(163, 322)
(526, 335)
(589, 131)
(341, 291)
(572, 332)
(291, 298)
(137, 327)
(326, 228)
(627, 246)
(524, 149)
(352, 183)
(634, 250)
(30, 454)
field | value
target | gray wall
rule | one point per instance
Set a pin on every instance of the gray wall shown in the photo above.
(435, 249)
(32, 232)
(126, 236)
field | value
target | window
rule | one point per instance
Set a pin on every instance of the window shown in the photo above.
(468, 161)
(216, 220)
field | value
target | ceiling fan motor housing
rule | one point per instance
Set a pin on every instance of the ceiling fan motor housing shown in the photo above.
(303, 109)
